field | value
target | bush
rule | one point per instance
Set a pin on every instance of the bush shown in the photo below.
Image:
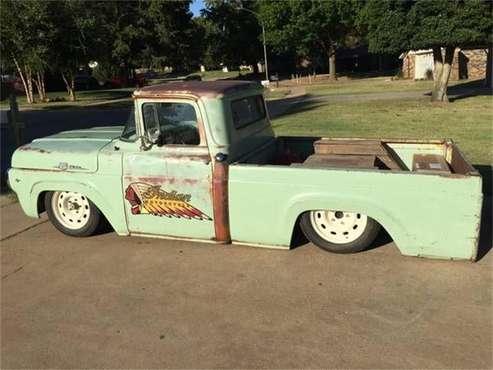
(103, 73)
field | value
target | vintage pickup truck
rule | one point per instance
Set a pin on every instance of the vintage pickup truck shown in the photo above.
(200, 161)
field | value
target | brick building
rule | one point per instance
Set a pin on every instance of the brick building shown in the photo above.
(467, 64)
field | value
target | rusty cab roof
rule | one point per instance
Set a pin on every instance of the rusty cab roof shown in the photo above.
(199, 89)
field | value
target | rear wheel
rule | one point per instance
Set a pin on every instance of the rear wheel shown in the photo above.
(339, 231)
(72, 213)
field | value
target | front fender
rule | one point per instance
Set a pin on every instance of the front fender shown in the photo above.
(114, 213)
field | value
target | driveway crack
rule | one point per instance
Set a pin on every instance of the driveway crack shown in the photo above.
(13, 272)
(21, 231)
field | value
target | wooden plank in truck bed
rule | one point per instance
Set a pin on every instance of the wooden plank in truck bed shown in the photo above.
(360, 147)
(344, 161)
(430, 163)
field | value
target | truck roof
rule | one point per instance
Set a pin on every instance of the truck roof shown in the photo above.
(199, 89)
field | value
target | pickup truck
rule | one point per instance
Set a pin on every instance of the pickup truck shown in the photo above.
(200, 161)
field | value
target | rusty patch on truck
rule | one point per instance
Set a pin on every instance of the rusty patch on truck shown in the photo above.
(198, 89)
(156, 180)
(220, 201)
(152, 199)
(27, 148)
(151, 180)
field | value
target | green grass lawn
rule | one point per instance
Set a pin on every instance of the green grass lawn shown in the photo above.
(467, 121)
(276, 93)
(368, 86)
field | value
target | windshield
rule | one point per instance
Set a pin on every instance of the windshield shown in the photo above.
(129, 132)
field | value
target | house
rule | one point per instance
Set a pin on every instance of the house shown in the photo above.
(468, 63)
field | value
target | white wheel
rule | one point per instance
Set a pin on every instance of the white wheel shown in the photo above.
(338, 227)
(72, 210)
(339, 231)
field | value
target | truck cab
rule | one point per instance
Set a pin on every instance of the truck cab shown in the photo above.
(199, 160)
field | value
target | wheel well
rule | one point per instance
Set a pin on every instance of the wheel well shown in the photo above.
(297, 236)
(41, 202)
(41, 207)
(383, 237)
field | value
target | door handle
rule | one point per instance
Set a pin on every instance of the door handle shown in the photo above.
(221, 157)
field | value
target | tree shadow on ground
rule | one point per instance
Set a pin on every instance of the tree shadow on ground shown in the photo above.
(364, 75)
(468, 89)
(292, 105)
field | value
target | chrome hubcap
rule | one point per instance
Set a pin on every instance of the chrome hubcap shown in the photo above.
(71, 209)
(338, 227)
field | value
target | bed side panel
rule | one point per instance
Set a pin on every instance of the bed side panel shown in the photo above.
(426, 215)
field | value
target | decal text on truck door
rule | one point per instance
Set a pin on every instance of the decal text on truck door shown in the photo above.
(151, 199)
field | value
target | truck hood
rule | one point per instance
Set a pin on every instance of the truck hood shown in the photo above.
(66, 151)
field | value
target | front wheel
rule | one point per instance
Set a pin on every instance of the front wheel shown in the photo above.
(339, 231)
(72, 213)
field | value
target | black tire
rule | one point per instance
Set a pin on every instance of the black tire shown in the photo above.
(93, 224)
(362, 242)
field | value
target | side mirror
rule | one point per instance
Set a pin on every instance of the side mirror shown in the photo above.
(153, 135)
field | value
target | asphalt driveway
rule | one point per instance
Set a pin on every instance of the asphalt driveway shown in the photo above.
(127, 302)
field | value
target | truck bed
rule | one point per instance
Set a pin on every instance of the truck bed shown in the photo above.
(427, 210)
(441, 157)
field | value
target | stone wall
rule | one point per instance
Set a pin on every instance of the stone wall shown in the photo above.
(476, 63)
(454, 71)
(408, 65)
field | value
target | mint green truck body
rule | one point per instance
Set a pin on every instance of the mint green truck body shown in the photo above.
(240, 184)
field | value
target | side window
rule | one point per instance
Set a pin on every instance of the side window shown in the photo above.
(177, 122)
(150, 118)
(247, 110)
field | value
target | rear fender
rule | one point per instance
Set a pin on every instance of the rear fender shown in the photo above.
(316, 201)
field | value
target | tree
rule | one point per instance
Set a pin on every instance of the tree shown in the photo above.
(171, 41)
(314, 27)
(26, 34)
(441, 25)
(127, 27)
(150, 33)
(231, 36)
(449, 24)
(79, 37)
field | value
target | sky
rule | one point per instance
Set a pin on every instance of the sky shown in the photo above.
(196, 6)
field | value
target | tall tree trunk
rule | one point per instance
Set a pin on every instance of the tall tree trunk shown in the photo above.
(24, 79)
(332, 63)
(39, 81)
(437, 71)
(70, 86)
(489, 65)
(29, 80)
(447, 68)
(442, 74)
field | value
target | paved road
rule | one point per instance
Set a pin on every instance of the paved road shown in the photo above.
(46, 122)
(127, 302)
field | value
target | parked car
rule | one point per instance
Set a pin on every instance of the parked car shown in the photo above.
(85, 82)
(200, 161)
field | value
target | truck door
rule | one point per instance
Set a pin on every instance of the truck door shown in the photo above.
(167, 188)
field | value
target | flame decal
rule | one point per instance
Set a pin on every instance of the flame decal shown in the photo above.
(151, 199)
